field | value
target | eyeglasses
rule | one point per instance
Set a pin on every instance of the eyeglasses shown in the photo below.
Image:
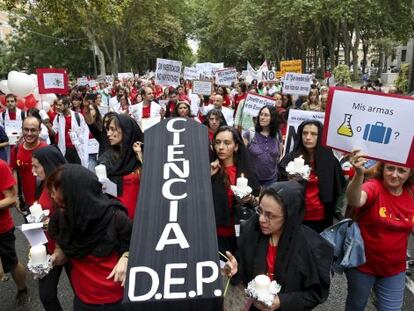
(266, 215)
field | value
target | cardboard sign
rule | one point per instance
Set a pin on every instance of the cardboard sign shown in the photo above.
(378, 124)
(125, 75)
(13, 127)
(267, 75)
(297, 83)
(202, 87)
(226, 76)
(173, 258)
(296, 117)
(253, 103)
(168, 72)
(191, 73)
(291, 66)
(93, 146)
(52, 80)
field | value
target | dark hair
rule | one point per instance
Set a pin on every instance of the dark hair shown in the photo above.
(11, 95)
(225, 93)
(175, 112)
(218, 114)
(377, 171)
(243, 87)
(54, 180)
(271, 192)
(299, 149)
(98, 117)
(274, 121)
(65, 101)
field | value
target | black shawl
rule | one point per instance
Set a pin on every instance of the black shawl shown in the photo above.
(90, 223)
(121, 160)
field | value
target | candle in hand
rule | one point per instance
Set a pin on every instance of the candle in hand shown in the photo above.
(36, 209)
(38, 255)
(299, 163)
(241, 182)
(262, 283)
(100, 171)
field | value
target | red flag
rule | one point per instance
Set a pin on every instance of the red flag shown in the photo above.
(52, 80)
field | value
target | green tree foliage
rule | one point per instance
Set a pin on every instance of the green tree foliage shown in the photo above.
(342, 74)
(402, 80)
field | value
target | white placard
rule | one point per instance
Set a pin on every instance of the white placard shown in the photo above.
(34, 233)
(208, 69)
(296, 117)
(168, 72)
(226, 76)
(191, 73)
(54, 80)
(125, 75)
(93, 146)
(92, 83)
(202, 87)
(146, 123)
(13, 127)
(253, 103)
(297, 83)
(109, 187)
(267, 75)
(82, 81)
(378, 124)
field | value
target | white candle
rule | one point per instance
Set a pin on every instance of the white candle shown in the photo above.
(36, 209)
(100, 171)
(262, 283)
(38, 254)
(241, 182)
(299, 163)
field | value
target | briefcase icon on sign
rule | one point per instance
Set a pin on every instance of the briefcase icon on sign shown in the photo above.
(377, 133)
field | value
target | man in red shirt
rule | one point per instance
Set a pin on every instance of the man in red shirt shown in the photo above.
(21, 160)
(8, 256)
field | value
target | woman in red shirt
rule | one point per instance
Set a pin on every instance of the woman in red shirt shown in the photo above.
(386, 204)
(93, 232)
(122, 162)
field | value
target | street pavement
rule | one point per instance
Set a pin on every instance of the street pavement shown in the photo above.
(336, 300)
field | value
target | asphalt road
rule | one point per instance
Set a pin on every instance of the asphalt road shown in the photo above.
(336, 300)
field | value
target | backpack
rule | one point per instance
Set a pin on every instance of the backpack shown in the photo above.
(76, 117)
(22, 116)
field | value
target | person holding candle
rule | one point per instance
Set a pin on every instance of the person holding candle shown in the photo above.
(276, 244)
(123, 159)
(44, 161)
(93, 232)
(231, 161)
(326, 181)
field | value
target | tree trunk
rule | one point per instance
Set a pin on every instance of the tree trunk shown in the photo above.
(101, 58)
(347, 42)
(355, 47)
(364, 59)
(115, 68)
(321, 55)
(381, 61)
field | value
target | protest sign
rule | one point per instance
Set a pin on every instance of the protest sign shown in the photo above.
(378, 124)
(173, 258)
(168, 72)
(291, 66)
(52, 80)
(92, 83)
(13, 126)
(82, 81)
(253, 103)
(267, 75)
(208, 69)
(296, 117)
(190, 73)
(297, 83)
(202, 87)
(125, 75)
(226, 76)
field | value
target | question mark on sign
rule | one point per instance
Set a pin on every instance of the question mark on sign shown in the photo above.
(396, 135)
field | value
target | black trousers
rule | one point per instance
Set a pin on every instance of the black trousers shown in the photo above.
(71, 156)
(80, 306)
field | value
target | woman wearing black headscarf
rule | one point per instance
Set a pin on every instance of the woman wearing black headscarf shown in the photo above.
(275, 243)
(326, 181)
(123, 158)
(44, 161)
(93, 232)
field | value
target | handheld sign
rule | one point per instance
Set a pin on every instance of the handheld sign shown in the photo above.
(226, 76)
(291, 66)
(202, 87)
(190, 73)
(378, 124)
(253, 103)
(125, 75)
(297, 83)
(173, 262)
(267, 75)
(168, 72)
(52, 80)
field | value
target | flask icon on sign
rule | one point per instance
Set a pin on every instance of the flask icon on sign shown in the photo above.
(345, 129)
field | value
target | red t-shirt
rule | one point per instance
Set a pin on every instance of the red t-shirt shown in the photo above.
(130, 191)
(47, 204)
(314, 208)
(146, 111)
(23, 163)
(6, 182)
(12, 115)
(385, 229)
(271, 260)
(68, 127)
(88, 276)
(228, 231)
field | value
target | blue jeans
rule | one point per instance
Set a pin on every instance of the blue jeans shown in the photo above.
(389, 291)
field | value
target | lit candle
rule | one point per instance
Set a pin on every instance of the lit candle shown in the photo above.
(38, 255)
(100, 171)
(36, 209)
(262, 283)
(299, 163)
(241, 182)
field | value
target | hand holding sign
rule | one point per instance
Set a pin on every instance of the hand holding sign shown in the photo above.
(358, 161)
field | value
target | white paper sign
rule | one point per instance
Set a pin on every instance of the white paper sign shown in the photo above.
(92, 83)
(266, 75)
(125, 75)
(202, 87)
(109, 187)
(146, 123)
(208, 69)
(93, 146)
(82, 81)
(168, 72)
(226, 76)
(296, 117)
(190, 73)
(34, 233)
(297, 83)
(253, 103)
(380, 125)
(13, 127)
(54, 80)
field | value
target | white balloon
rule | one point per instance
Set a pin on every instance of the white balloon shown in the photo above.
(34, 78)
(36, 94)
(48, 98)
(20, 84)
(45, 106)
(3, 87)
